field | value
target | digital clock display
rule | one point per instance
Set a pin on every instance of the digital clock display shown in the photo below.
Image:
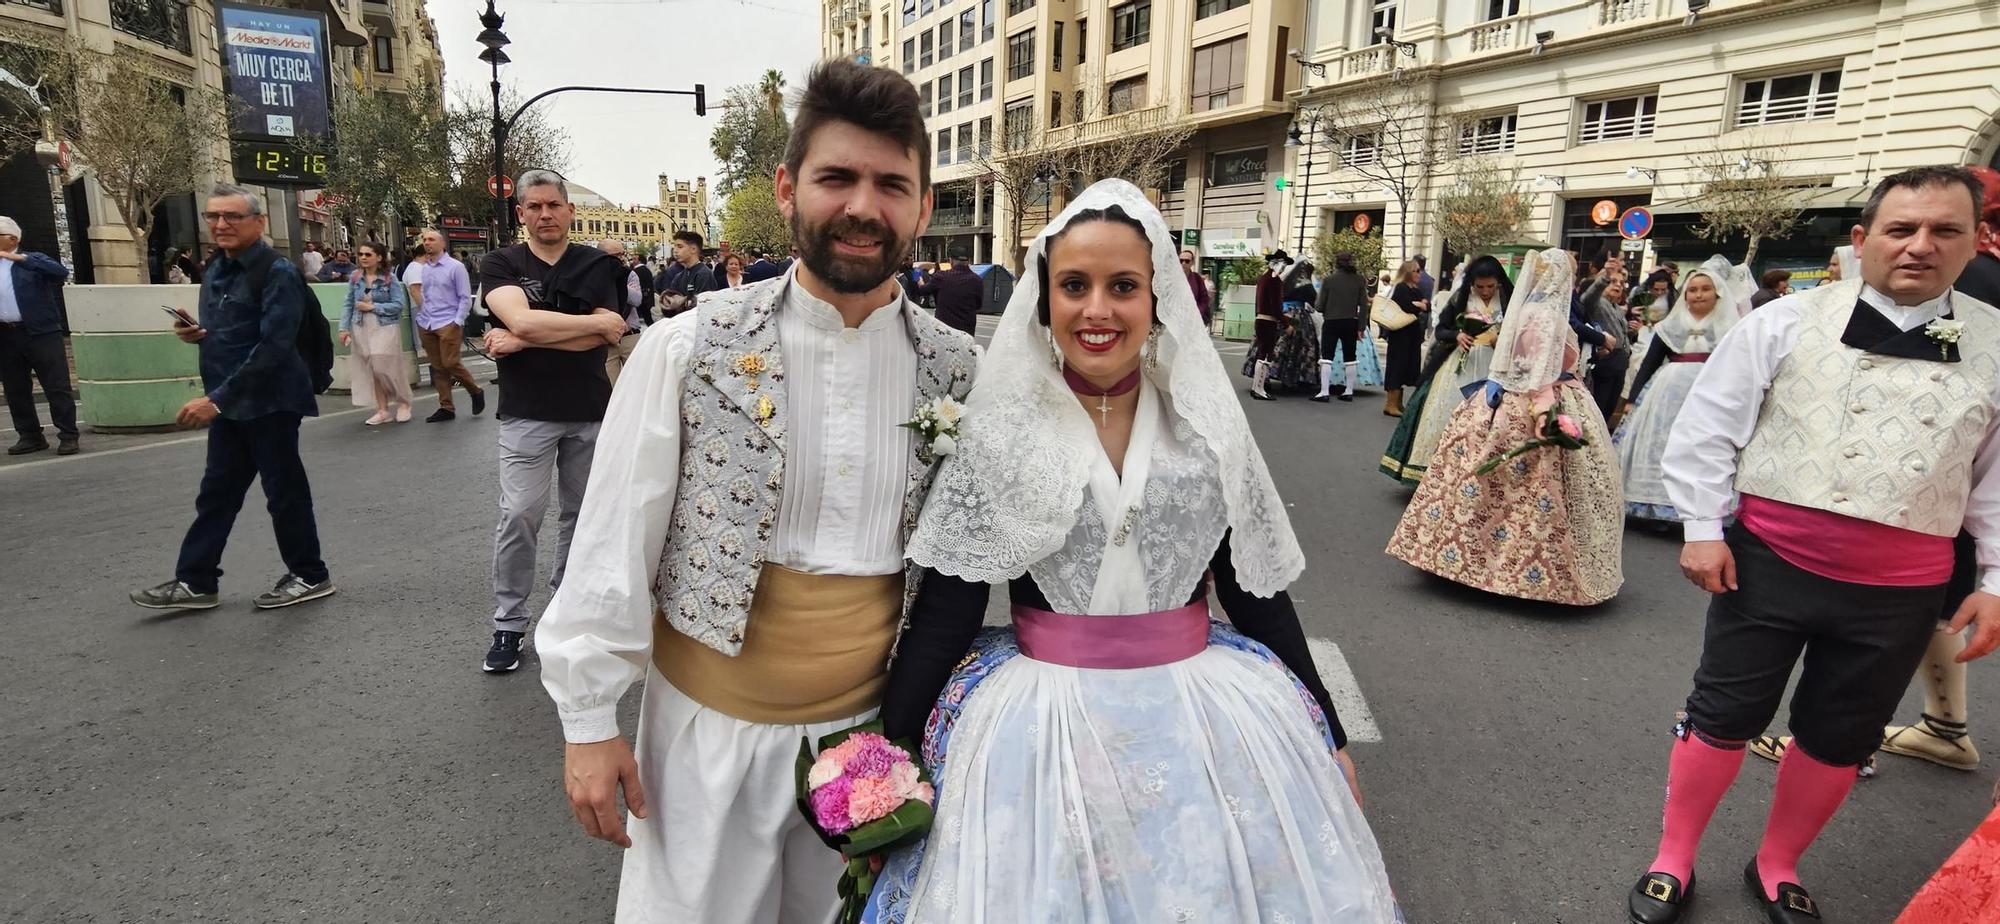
(278, 164)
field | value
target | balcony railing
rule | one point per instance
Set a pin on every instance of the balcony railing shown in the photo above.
(957, 217)
(1374, 59)
(1498, 35)
(1095, 131)
(1612, 12)
(383, 10)
(46, 6)
(162, 22)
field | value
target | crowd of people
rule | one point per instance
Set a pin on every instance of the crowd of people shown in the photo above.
(750, 519)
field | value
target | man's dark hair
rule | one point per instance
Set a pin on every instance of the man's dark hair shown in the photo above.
(1772, 278)
(688, 237)
(1344, 260)
(1113, 213)
(875, 99)
(1924, 178)
(1422, 261)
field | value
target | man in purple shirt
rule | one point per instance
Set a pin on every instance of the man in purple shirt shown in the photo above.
(442, 293)
(1195, 282)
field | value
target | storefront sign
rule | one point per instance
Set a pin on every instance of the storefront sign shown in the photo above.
(1604, 211)
(1229, 248)
(1361, 223)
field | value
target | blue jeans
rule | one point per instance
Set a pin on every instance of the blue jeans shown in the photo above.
(238, 451)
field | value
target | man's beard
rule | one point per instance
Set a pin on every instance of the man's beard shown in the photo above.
(847, 275)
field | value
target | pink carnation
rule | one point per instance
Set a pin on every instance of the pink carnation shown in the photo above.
(875, 757)
(905, 777)
(1569, 426)
(872, 798)
(832, 806)
(839, 753)
(926, 793)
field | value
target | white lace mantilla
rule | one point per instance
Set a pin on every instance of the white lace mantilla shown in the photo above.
(1011, 495)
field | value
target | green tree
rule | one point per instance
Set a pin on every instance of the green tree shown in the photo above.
(1366, 248)
(749, 140)
(534, 143)
(752, 219)
(389, 160)
(1483, 207)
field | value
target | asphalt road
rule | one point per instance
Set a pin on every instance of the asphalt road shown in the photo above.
(347, 760)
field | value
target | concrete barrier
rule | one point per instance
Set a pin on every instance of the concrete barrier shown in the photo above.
(134, 374)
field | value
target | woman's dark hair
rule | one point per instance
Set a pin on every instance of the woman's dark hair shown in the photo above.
(874, 99)
(1482, 267)
(375, 246)
(1111, 213)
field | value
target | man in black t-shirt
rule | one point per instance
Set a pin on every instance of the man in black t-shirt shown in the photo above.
(557, 308)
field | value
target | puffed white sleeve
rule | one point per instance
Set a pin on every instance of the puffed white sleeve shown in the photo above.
(1716, 422)
(597, 634)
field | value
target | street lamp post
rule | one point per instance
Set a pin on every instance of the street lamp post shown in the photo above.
(1292, 140)
(494, 40)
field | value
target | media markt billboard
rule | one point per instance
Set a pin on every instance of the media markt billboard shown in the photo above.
(276, 61)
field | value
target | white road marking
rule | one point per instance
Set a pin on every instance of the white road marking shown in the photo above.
(1346, 693)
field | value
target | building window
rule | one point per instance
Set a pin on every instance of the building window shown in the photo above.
(985, 137)
(1127, 95)
(965, 86)
(1017, 125)
(909, 11)
(1082, 42)
(909, 56)
(1501, 9)
(1486, 135)
(944, 147)
(1055, 109)
(966, 30)
(1218, 74)
(1016, 6)
(1237, 168)
(1021, 55)
(944, 94)
(986, 20)
(1131, 24)
(385, 55)
(926, 45)
(1381, 20)
(986, 79)
(926, 8)
(1207, 8)
(965, 142)
(1055, 48)
(924, 98)
(944, 41)
(1358, 150)
(1614, 119)
(1789, 98)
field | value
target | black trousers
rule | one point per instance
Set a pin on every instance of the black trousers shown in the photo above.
(1341, 334)
(266, 448)
(1607, 381)
(1860, 643)
(40, 355)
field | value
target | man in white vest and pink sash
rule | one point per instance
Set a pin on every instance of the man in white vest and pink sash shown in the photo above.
(740, 544)
(1849, 431)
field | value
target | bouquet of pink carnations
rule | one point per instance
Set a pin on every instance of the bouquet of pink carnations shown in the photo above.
(864, 795)
(1561, 430)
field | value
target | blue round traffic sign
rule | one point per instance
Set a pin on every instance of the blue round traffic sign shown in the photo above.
(1636, 223)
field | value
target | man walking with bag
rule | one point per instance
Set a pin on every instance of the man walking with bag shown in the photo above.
(257, 390)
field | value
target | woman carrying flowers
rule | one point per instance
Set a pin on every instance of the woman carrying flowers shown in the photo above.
(1460, 360)
(1093, 766)
(1546, 524)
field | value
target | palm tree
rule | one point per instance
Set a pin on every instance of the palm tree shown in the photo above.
(772, 89)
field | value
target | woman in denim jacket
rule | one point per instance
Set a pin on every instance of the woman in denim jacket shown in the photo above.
(372, 327)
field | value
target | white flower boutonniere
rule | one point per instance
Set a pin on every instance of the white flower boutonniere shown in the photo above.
(936, 425)
(1946, 332)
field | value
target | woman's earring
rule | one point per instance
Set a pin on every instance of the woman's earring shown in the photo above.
(1153, 348)
(1055, 352)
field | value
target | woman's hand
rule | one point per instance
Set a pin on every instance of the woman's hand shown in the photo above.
(364, 306)
(1464, 340)
(345, 338)
(1347, 770)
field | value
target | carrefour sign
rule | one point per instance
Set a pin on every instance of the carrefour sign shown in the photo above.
(277, 67)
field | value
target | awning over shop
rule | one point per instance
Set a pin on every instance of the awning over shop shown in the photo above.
(1822, 197)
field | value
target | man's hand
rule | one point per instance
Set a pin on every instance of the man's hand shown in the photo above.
(501, 342)
(1981, 611)
(1347, 770)
(593, 774)
(614, 325)
(197, 413)
(1712, 567)
(1464, 341)
(14, 255)
(190, 334)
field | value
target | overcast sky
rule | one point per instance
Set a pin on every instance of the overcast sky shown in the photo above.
(620, 142)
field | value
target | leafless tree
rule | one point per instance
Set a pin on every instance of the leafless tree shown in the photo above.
(1385, 135)
(1743, 192)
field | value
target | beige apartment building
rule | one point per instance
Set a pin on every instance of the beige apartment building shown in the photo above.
(1085, 71)
(1617, 101)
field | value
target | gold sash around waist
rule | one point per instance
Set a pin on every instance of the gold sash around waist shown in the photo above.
(815, 650)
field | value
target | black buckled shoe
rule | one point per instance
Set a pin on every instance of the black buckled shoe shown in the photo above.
(1658, 898)
(1794, 905)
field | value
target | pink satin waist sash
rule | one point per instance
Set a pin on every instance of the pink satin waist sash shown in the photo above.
(1112, 642)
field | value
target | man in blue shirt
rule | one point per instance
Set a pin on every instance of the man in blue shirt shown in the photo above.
(257, 391)
(31, 343)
